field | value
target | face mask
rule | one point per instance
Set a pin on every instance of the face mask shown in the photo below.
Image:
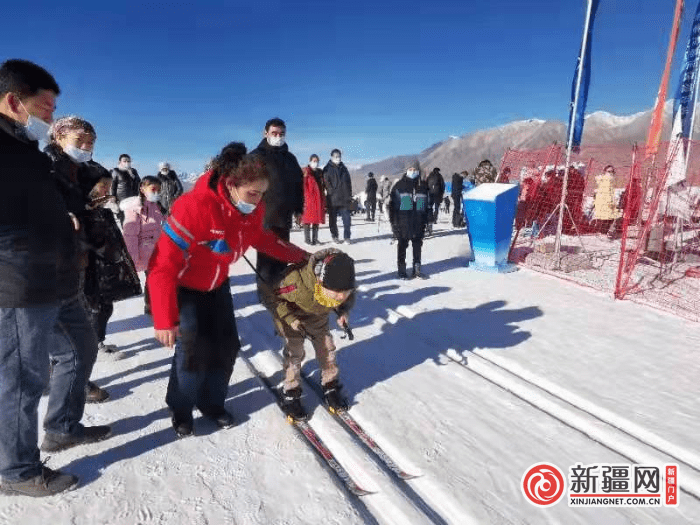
(412, 174)
(322, 299)
(336, 160)
(313, 165)
(77, 154)
(245, 208)
(36, 128)
(153, 197)
(275, 141)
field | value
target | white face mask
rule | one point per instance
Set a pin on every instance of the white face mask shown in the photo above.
(36, 128)
(77, 154)
(275, 141)
(335, 160)
(412, 174)
(153, 197)
(245, 208)
(313, 164)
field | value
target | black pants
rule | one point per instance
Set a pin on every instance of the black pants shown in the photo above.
(436, 200)
(417, 245)
(204, 353)
(457, 218)
(311, 233)
(270, 269)
(371, 208)
(101, 318)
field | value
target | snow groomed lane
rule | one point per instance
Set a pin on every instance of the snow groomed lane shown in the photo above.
(393, 501)
(620, 435)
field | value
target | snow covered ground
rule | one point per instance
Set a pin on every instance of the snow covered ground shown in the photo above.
(550, 372)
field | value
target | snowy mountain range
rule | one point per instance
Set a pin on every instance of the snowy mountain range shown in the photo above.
(465, 152)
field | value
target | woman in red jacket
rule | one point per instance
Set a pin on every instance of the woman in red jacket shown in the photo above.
(314, 201)
(208, 229)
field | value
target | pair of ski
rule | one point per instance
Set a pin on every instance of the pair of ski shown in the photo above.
(354, 428)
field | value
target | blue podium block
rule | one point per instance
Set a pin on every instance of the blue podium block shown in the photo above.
(490, 211)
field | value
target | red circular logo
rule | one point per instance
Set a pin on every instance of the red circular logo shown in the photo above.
(543, 484)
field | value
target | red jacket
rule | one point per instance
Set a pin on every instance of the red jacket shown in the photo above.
(314, 200)
(203, 235)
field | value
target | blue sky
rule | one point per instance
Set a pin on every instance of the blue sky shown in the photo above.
(177, 81)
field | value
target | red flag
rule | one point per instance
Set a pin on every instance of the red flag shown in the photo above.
(658, 116)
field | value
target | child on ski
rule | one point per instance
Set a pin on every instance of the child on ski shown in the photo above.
(300, 305)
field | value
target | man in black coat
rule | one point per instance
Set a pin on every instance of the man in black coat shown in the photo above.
(371, 193)
(125, 179)
(170, 186)
(36, 241)
(284, 196)
(436, 189)
(339, 191)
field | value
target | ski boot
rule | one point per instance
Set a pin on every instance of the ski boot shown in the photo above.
(333, 398)
(292, 407)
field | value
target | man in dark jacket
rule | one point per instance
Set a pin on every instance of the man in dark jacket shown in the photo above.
(371, 193)
(436, 189)
(125, 180)
(408, 214)
(170, 186)
(285, 195)
(36, 235)
(339, 191)
(457, 187)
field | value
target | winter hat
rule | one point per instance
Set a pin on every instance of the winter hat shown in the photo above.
(163, 166)
(413, 164)
(370, 175)
(338, 272)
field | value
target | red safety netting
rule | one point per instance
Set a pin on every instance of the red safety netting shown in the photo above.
(623, 231)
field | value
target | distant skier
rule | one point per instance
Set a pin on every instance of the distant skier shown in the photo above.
(383, 191)
(301, 304)
(457, 187)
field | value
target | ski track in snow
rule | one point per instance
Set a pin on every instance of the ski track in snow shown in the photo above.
(469, 429)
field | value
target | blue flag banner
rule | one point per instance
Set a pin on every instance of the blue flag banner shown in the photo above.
(685, 94)
(578, 108)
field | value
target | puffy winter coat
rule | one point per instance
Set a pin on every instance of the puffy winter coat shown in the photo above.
(143, 223)
(36, 233)
(457, 186)
(436, 185)
(408, 208)
(293, 296)
(170, 189)
(203, 235)
(605, 208)
(338, 185)
(384, 188)
(285, 195)
(314, 198)
(125, 183)
(371, 189)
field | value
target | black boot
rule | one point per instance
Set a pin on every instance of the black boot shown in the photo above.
(417, 272)
(333, 397)
(402, 271)
(291, 405)
(307, 234)
(314, 234)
